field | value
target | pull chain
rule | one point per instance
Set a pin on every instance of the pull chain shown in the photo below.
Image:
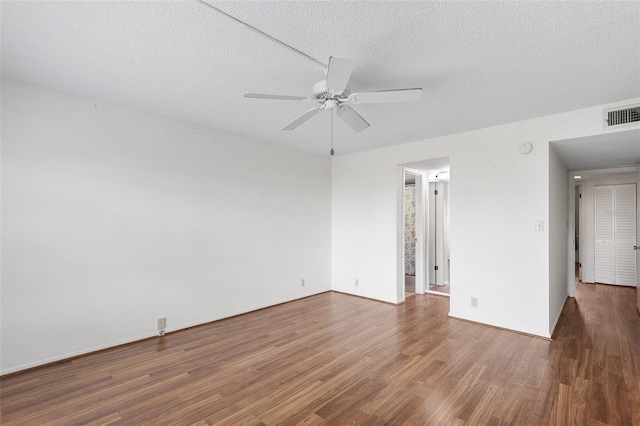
(332, 151)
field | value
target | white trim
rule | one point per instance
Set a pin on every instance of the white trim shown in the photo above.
(400, 235)
(421, 267)
(74, 354)
(587, 176)
(555, 323)
(146, 336)
(484, 323)
(437, 293)
(571, 251)
(421, 288)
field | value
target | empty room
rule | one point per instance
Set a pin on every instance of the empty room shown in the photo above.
(320, 212)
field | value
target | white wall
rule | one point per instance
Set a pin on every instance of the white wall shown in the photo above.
(492, 220)
(558, 237)
(112, 218)
(587, 254)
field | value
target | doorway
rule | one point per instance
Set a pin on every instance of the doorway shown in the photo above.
(412, 191)
(615, 234)
(424, 260)
(605, 221)
(439, 253)
(588, 159)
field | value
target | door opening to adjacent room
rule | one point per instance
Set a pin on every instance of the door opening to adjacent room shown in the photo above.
(578, 222)
(604, 227)
(438, 219)
(606, 159)
(412, 191)
(425, 265)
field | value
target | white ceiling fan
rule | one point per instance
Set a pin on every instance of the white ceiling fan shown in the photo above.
(333, 94)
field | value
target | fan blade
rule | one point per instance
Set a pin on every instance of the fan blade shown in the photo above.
(338, 73)
(352, 118)
(283, 97)
(304, 117)
(400, 95)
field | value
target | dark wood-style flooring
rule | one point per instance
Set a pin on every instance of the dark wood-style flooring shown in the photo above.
(337, 359)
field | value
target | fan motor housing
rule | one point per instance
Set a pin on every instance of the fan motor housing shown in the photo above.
(321, 93)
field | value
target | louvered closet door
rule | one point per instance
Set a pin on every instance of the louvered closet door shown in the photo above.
(625, 234)
(605, 234)
(615, 260)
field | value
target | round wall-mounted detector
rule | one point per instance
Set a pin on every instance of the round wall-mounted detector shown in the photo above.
(525, 148)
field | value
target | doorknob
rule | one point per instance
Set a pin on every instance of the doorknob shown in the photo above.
(636, 247)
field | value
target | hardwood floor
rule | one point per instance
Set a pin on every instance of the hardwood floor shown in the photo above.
(410, 286)
(336, 359)
(439, 288)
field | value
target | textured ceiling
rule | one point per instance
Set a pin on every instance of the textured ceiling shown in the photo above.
(600, 151)
(479, 63)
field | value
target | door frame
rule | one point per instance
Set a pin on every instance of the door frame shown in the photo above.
(581, 229)
(424, 168)
(421, 202)
(571, 220)
(571, 243)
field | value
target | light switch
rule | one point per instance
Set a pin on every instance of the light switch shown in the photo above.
(539, 225)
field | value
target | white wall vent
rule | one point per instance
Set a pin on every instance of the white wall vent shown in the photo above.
(622, 117)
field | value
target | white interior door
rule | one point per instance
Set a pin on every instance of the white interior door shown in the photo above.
(615, 258)
(605, 234)
(625, 234)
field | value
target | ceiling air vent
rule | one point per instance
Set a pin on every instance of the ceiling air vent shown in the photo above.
(627, 116)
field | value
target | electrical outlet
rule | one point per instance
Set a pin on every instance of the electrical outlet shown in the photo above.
(357, 282)
(302, 282)
(162, 323)
(474, 302)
